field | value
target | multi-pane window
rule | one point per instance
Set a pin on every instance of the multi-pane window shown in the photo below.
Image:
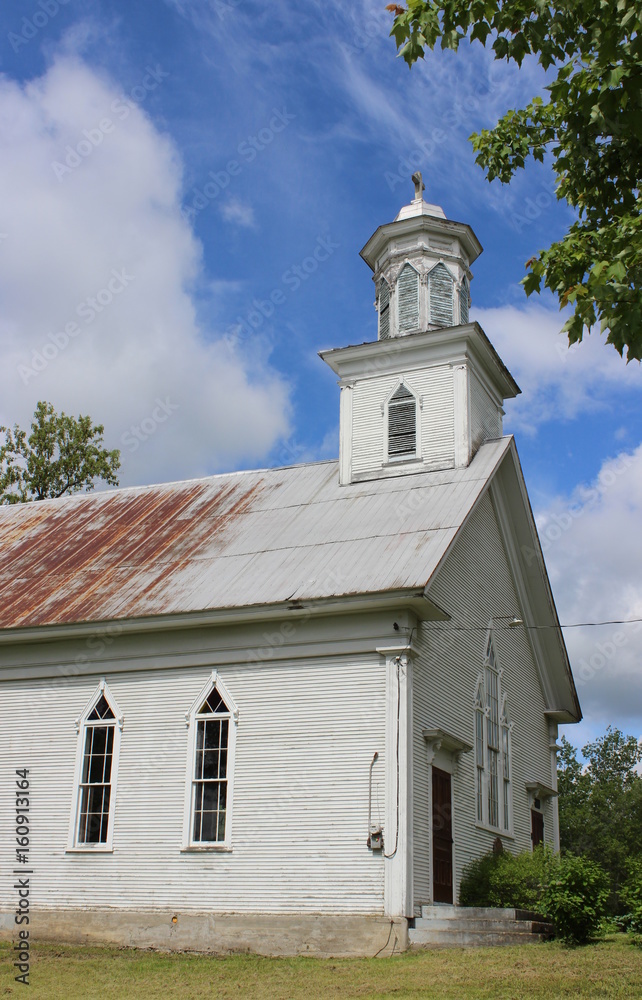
(402, 424)
(492, 747)
(492, 743)
(480, 762)
(99, 738)
(213, 722)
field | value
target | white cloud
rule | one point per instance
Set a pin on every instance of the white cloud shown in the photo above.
(111, 206)
(593, 549)
(239, 213)
(556, 381)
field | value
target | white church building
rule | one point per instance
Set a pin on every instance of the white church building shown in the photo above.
(280, 710)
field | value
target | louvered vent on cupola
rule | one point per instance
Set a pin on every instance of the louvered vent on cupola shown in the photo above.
(384, 311)
(464, 301)
(402, 424)
(408, 299)
(441, 296)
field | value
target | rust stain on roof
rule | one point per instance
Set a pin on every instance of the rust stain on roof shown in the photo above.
(70, 562)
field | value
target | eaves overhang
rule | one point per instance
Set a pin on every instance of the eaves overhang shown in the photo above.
(432, 347)
(413, 599)
(420, 224)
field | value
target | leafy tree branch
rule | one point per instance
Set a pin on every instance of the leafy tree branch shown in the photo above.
(61, 455)
(591, 125)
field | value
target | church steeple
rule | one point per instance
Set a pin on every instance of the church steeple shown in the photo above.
(429, 391)
(421, 264)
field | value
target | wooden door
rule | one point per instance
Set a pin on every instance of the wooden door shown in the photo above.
(537, 827)
(442, 837)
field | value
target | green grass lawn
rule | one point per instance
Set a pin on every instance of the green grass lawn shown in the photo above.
(610, 968)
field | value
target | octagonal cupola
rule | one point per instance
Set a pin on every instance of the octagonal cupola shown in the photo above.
(429, 391)
(421, 263)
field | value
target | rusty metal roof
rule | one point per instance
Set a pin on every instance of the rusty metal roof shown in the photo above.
(230, 541)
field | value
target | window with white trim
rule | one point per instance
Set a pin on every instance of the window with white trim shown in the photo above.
(212, 721)
(99, 728)
(492, 746)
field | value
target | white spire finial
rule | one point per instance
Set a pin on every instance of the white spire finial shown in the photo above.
(420, 187)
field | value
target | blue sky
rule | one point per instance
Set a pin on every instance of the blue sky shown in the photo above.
(168, 170)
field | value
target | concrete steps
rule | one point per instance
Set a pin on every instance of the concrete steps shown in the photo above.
(442, 926)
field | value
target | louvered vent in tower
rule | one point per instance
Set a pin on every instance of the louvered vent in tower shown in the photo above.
(384, 311)
(402, 424)
(464, 301)
(408, 299)
(441, 296)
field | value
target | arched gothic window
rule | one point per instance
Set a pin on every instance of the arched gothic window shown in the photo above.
(408, 299)
(402, 424)
(212, 720)
(441, 295)
(99, 729)
(492, 746)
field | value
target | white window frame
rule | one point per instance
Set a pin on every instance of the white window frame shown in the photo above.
(82, 724)
(192, 717)
(395, 459)
(504, 750)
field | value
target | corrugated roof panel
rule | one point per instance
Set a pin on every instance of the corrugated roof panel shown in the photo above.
(230, 541)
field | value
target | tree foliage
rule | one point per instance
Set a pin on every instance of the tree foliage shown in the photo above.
(61, 455)
(600, 805)
(591, 124)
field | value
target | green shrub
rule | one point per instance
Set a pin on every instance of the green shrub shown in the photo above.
(631, 895)
(575, 898)
(507, 880)
(475, 888)
(570, 891)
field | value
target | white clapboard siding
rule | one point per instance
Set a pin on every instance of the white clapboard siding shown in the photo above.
(475, 584)
(435, 387)
(408, 299)
(441, 285)
(307, 732)
(384, 311)
(486, 421)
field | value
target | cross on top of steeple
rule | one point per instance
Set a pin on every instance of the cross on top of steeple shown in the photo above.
(420, 187)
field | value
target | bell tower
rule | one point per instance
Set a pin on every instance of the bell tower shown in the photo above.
(428, 392)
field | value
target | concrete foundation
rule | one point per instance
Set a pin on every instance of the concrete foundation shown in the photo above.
(276, 934)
